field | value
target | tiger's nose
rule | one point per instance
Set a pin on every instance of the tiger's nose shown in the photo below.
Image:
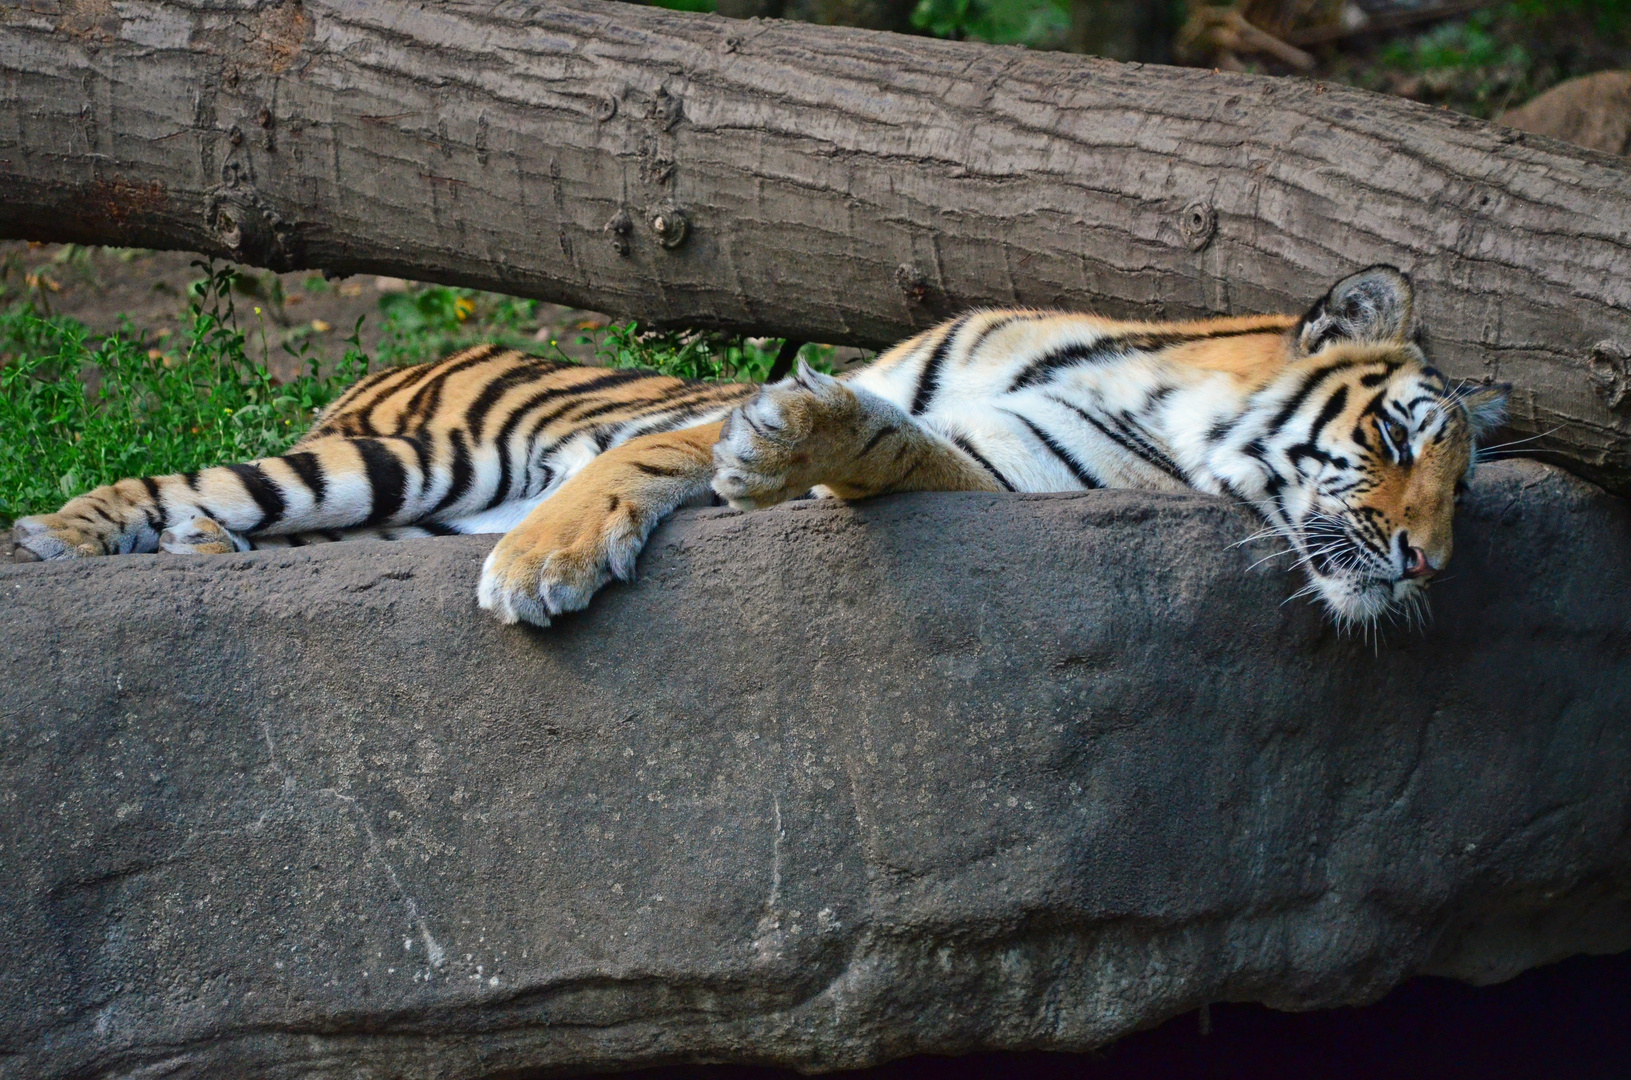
(1416, 564)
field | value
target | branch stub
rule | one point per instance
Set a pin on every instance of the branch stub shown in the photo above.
(1198, 223)
(913, 285)
(1611, 375)
(618, 229)
(670, 224)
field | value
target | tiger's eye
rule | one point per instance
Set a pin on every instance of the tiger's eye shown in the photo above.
(1396, 433)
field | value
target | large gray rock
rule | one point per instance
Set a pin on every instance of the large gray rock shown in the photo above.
(830, 784)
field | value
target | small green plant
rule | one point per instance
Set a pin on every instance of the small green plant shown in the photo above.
(432, 322)
(80, 412)
(699, 355)
(1455, 45)
(1036, 23)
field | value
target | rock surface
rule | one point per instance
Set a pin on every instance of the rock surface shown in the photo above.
(828, 785)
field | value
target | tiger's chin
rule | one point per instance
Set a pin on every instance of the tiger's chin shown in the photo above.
(1362, 600)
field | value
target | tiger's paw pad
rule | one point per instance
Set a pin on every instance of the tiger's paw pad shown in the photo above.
(534, 574)
(767, 450)
(201, 536)
(43, 537)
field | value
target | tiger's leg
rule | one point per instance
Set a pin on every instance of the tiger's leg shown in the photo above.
(812, 429)
(593, 528)
(333, 482)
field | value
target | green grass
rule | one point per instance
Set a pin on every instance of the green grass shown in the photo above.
(79, 411)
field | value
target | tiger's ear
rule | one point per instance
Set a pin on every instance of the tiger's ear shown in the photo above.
(1373, 307)
(1485, 406)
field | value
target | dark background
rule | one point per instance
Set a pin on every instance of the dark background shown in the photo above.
(1569, 1021)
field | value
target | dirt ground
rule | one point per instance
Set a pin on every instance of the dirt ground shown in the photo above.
(145, 293)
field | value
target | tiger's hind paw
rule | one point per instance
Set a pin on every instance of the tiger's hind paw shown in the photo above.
(201, 536)
(774, 448)
(557, 564)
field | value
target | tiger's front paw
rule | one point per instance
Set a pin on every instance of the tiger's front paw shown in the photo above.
(781, 444)
(53, 536)
(555, 562)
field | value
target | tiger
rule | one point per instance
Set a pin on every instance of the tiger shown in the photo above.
(1332, 426)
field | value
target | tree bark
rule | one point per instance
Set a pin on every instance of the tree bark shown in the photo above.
(824, 184)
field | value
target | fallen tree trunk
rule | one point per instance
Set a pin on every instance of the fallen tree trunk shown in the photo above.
(820, 183)
(821, 789)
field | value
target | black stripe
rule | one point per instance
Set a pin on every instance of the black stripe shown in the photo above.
(306, 466)
(658, 470)
(386, 388)
(428, 398)
(882, 434)
(421, 452)
(343, 402)
(462, 472)
(966, 447)
(406, 419)
(1086, 479)
(437, 528)
(1131, 441)
(670, 420)
(152, 487)
(1309, 447)
(476, 416)
(191, 479)
(295, 540)
(712, 393)
(928, 380)
(1310, 383)
(266, 494)
(612, 406)
(520, 414)
(1112, 348)
(1328, 412)
(387, 478)
(1157, 456)
(973, 349)
(504, 436)
(573, 392)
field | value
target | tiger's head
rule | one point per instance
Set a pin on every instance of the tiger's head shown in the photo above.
(1368, 447)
